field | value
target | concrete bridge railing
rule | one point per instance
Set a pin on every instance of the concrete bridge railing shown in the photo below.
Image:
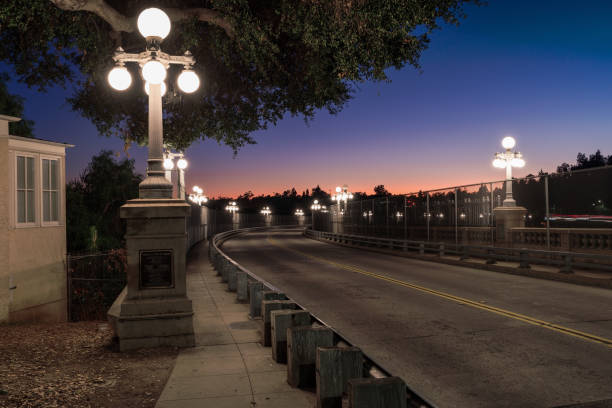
(566, 261)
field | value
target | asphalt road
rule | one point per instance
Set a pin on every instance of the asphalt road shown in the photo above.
(460, 337)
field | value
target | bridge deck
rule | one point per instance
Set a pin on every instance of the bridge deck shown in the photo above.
(461, 337)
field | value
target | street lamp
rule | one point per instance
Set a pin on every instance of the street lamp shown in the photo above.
(154, 25)
(181, 165)
(197, 196)
(342, 194)
(299, 213)
(315, 205)
(266, 211)
(231, 207)
(507, 160)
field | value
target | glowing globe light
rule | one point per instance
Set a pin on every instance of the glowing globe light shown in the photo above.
(168, 164)
(338, 189)
(508, 142)
(164, 88)
(188, 81)
(119, 78)
(153, 22)
(154, 72)
(181, 164)
(517, 162)
(499, 163)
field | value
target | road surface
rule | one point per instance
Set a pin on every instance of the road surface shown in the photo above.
(460, 337)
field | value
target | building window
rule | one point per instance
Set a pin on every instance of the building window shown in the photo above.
(25, 190)
(50, 190)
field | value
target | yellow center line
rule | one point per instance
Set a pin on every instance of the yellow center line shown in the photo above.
(527, 319)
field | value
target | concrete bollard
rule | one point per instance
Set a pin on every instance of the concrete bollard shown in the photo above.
(280, 321)
(334, 367)
(242, 289)
(223, 268)
(387, 392)
(302, 343)
(273, 295)
(231, 278)
(255, 297)
(267, 306)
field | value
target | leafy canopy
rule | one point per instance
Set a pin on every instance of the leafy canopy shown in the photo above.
(258, 59)
(94, 200)
(12, 105)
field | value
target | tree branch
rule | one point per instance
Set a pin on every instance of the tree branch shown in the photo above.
(202, 14)
(119, 22)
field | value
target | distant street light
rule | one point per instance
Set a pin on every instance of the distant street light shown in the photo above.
(266, 211)
(342, 194)
(231, 207)
(507, 160)
(197, 196)
(299, 213)
(154, 25)
(315, 205)
(181, 165)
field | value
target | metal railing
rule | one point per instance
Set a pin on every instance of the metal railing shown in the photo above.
(373, 368)
(579, 200)
(93, 283)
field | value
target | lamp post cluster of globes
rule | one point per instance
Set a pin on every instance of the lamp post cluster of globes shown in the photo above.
(154, 25)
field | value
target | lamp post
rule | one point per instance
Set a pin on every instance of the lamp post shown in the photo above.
(507, 160)
(197, 196)
(314, 208)
(232, 207)
(342, 194)
(266, 211)
(299, 212)
(154, 25)
(181, 165)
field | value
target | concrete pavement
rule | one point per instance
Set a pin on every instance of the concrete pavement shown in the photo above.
(408, 315)
(228, 367)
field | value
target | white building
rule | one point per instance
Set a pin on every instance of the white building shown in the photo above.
(32, 228)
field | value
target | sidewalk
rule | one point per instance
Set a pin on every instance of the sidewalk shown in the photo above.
(228, 367)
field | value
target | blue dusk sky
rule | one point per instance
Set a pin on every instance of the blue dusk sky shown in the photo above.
(540, 71)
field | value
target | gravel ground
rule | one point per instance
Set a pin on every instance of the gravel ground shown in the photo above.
(77, 365)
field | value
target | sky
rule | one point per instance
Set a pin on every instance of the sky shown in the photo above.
(539, 71)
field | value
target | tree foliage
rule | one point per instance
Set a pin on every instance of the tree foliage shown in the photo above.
(94, 199)
(259, 60)
(12, 105)
(380, 190)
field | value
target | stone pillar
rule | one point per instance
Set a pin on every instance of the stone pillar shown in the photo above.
(302, 343)
(281, 320)
(507, 218)
(153, 310)
(335, 366)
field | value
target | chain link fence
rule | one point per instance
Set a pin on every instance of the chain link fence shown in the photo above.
(569, 211)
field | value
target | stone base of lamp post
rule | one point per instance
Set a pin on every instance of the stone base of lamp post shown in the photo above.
(153, 309)
(507, 218)
(155, 186)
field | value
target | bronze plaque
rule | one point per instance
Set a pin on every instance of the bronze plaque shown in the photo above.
(156, 269)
